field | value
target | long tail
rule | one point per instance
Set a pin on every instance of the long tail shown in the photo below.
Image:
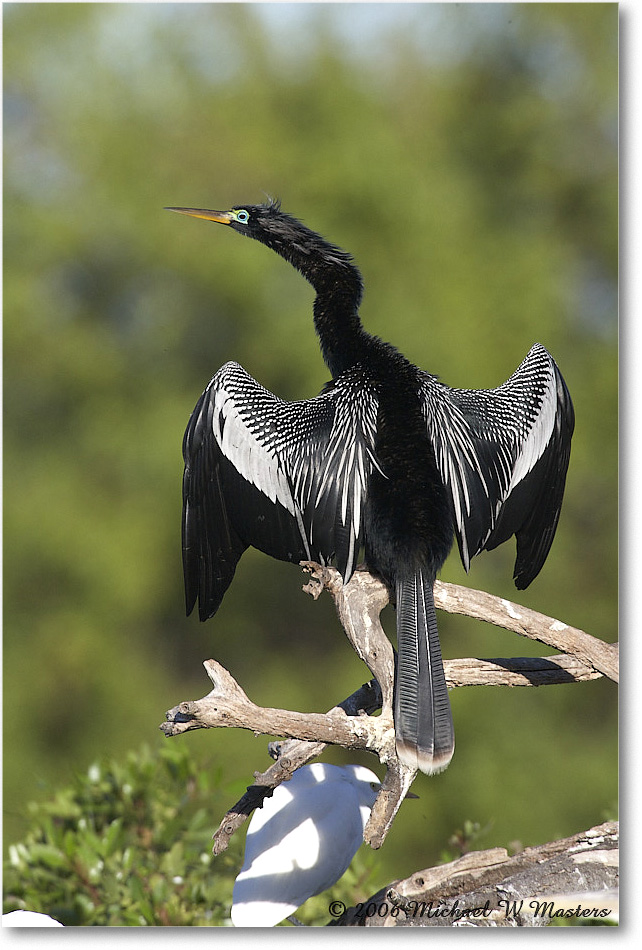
(423, 721)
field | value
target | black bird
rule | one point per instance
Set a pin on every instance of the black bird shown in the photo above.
(386, 458)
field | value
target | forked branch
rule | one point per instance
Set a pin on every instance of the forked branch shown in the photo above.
(350, 723)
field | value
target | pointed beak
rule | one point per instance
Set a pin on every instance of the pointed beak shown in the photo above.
(221, 217)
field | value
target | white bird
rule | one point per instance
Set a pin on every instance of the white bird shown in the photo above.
(301, 841)
(28, 918)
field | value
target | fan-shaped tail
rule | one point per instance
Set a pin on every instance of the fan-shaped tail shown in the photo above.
(424, 729)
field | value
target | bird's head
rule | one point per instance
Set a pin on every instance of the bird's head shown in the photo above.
(265, 223)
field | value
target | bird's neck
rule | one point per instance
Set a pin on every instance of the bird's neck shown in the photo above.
(341, 335)
(339, 287)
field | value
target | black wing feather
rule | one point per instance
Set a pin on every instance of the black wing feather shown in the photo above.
(211, 546)
(289, 478)
(533, 508)
(503, 454)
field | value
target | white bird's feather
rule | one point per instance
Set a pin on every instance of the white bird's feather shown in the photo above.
(301, 841)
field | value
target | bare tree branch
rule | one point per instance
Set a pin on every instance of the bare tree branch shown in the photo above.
(226, 705)
(574, 877)
(359, 604)
(350, 724)
(293, 753)
(518, 671)
(455, 599)
(366, 591)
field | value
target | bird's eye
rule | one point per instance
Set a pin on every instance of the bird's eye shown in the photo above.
(242, 217)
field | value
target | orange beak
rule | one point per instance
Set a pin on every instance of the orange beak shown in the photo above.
(221, 217)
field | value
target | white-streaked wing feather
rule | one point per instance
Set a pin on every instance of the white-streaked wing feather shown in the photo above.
(490, 443)
(289, 478)
(256, 462)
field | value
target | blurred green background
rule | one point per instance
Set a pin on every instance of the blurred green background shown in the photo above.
(466, 154)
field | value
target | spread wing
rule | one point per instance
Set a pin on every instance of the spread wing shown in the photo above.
(503, 455)
(289, 478)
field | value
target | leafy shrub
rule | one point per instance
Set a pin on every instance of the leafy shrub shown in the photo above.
(126, 845)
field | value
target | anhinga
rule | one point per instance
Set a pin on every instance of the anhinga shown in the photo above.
(386, 458)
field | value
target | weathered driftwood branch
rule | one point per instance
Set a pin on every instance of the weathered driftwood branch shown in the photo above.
(573, 878)
(227, 705)
(597, 654)
(518, 671)
(602, 656)
(359, 604)
(293, 753)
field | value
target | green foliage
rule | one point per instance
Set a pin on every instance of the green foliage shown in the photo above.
(466, 154)
(125, 845)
